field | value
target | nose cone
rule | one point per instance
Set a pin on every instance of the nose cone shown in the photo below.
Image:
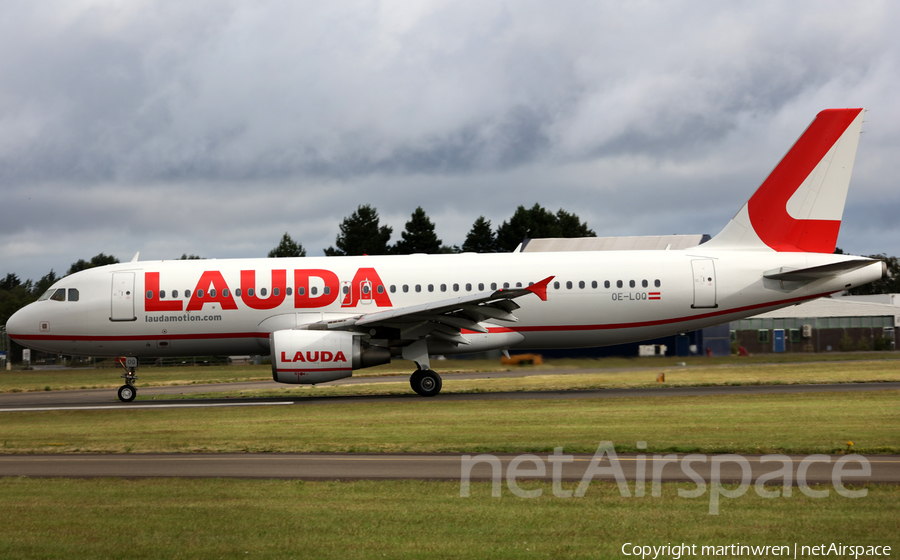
(18, 326)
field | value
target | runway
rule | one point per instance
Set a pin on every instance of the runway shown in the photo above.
(818, 469)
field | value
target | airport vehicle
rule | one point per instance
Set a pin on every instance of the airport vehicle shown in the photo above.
(321, 318)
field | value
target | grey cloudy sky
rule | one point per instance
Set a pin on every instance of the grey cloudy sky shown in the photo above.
(212, 127)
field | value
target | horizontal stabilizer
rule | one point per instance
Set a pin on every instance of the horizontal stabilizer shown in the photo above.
(816, 272)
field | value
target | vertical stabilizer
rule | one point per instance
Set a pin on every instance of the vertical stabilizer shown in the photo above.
(799, 206)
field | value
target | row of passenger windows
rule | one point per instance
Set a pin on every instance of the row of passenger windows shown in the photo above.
(60, 294)
(263, 292)
(405, 288)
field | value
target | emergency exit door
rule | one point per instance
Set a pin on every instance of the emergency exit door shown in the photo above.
(704, 283)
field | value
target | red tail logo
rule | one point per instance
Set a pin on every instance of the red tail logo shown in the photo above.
(768, 206)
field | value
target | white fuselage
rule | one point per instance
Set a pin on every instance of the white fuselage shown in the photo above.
(122, 311)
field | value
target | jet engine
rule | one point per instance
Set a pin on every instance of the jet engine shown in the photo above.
(310, 356)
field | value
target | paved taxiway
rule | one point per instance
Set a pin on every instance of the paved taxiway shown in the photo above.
(440, 466)
(106, 398)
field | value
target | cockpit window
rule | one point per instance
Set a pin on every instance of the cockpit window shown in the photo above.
(73, 294)
(59, 295)
(46, 295)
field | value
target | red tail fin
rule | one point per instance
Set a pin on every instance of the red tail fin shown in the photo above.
(798, 208)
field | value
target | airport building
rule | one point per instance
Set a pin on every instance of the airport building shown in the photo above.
(835, 324)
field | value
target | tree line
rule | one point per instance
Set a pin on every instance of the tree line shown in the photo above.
(362, 233)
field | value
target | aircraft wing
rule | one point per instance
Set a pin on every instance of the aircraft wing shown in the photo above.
(445, 319)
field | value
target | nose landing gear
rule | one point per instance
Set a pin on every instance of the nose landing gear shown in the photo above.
(128, 391)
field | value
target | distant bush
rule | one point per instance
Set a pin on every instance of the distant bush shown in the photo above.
(847, 344)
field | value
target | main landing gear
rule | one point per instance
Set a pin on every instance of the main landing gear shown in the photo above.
(128, 391)
(425, 382)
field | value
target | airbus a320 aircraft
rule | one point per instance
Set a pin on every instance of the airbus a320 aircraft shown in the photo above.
(322, 318)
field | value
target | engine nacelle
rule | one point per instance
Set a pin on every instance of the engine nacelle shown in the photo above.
(303, 356)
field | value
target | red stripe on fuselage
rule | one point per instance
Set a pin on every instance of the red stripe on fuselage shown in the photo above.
(543, 328)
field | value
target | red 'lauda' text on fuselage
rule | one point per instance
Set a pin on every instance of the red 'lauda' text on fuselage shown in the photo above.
(366, 286)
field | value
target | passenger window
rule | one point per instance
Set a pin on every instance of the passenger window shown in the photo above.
(493, 285)
(581, 284)
(225, 292)
(518, 284)
(237, 292)
(455, 287)
(187, 294)
(212, 293)
(346, 289)
(644, 283)
(430, 287)
(594, 284)
(250, 292)
(468, 287)
(53, 297)
(569, 285)
(405, 288)
(505, 285)
(162, 294)
(556, 285)
(480, 287)
(287, 291)
(606, 283)
(631, 283)
(275, 292)
(393, 289)
(656, 283)
(313, 291)
(263, 292)
(175, 293)
(618, 283)
(418, 287)
(365, 289)
(199, 293)
(326, 290)
(301, 290)
(380, 289)
(443, 287)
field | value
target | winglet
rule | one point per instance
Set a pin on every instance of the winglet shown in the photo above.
(540, 288)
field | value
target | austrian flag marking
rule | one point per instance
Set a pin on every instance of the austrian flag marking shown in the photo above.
(654, 295)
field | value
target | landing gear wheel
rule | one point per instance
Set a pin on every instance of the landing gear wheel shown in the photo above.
(127, 393)
(425, 382)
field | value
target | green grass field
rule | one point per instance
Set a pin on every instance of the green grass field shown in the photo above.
(217, 518)
(800, 423)
(166, 518)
